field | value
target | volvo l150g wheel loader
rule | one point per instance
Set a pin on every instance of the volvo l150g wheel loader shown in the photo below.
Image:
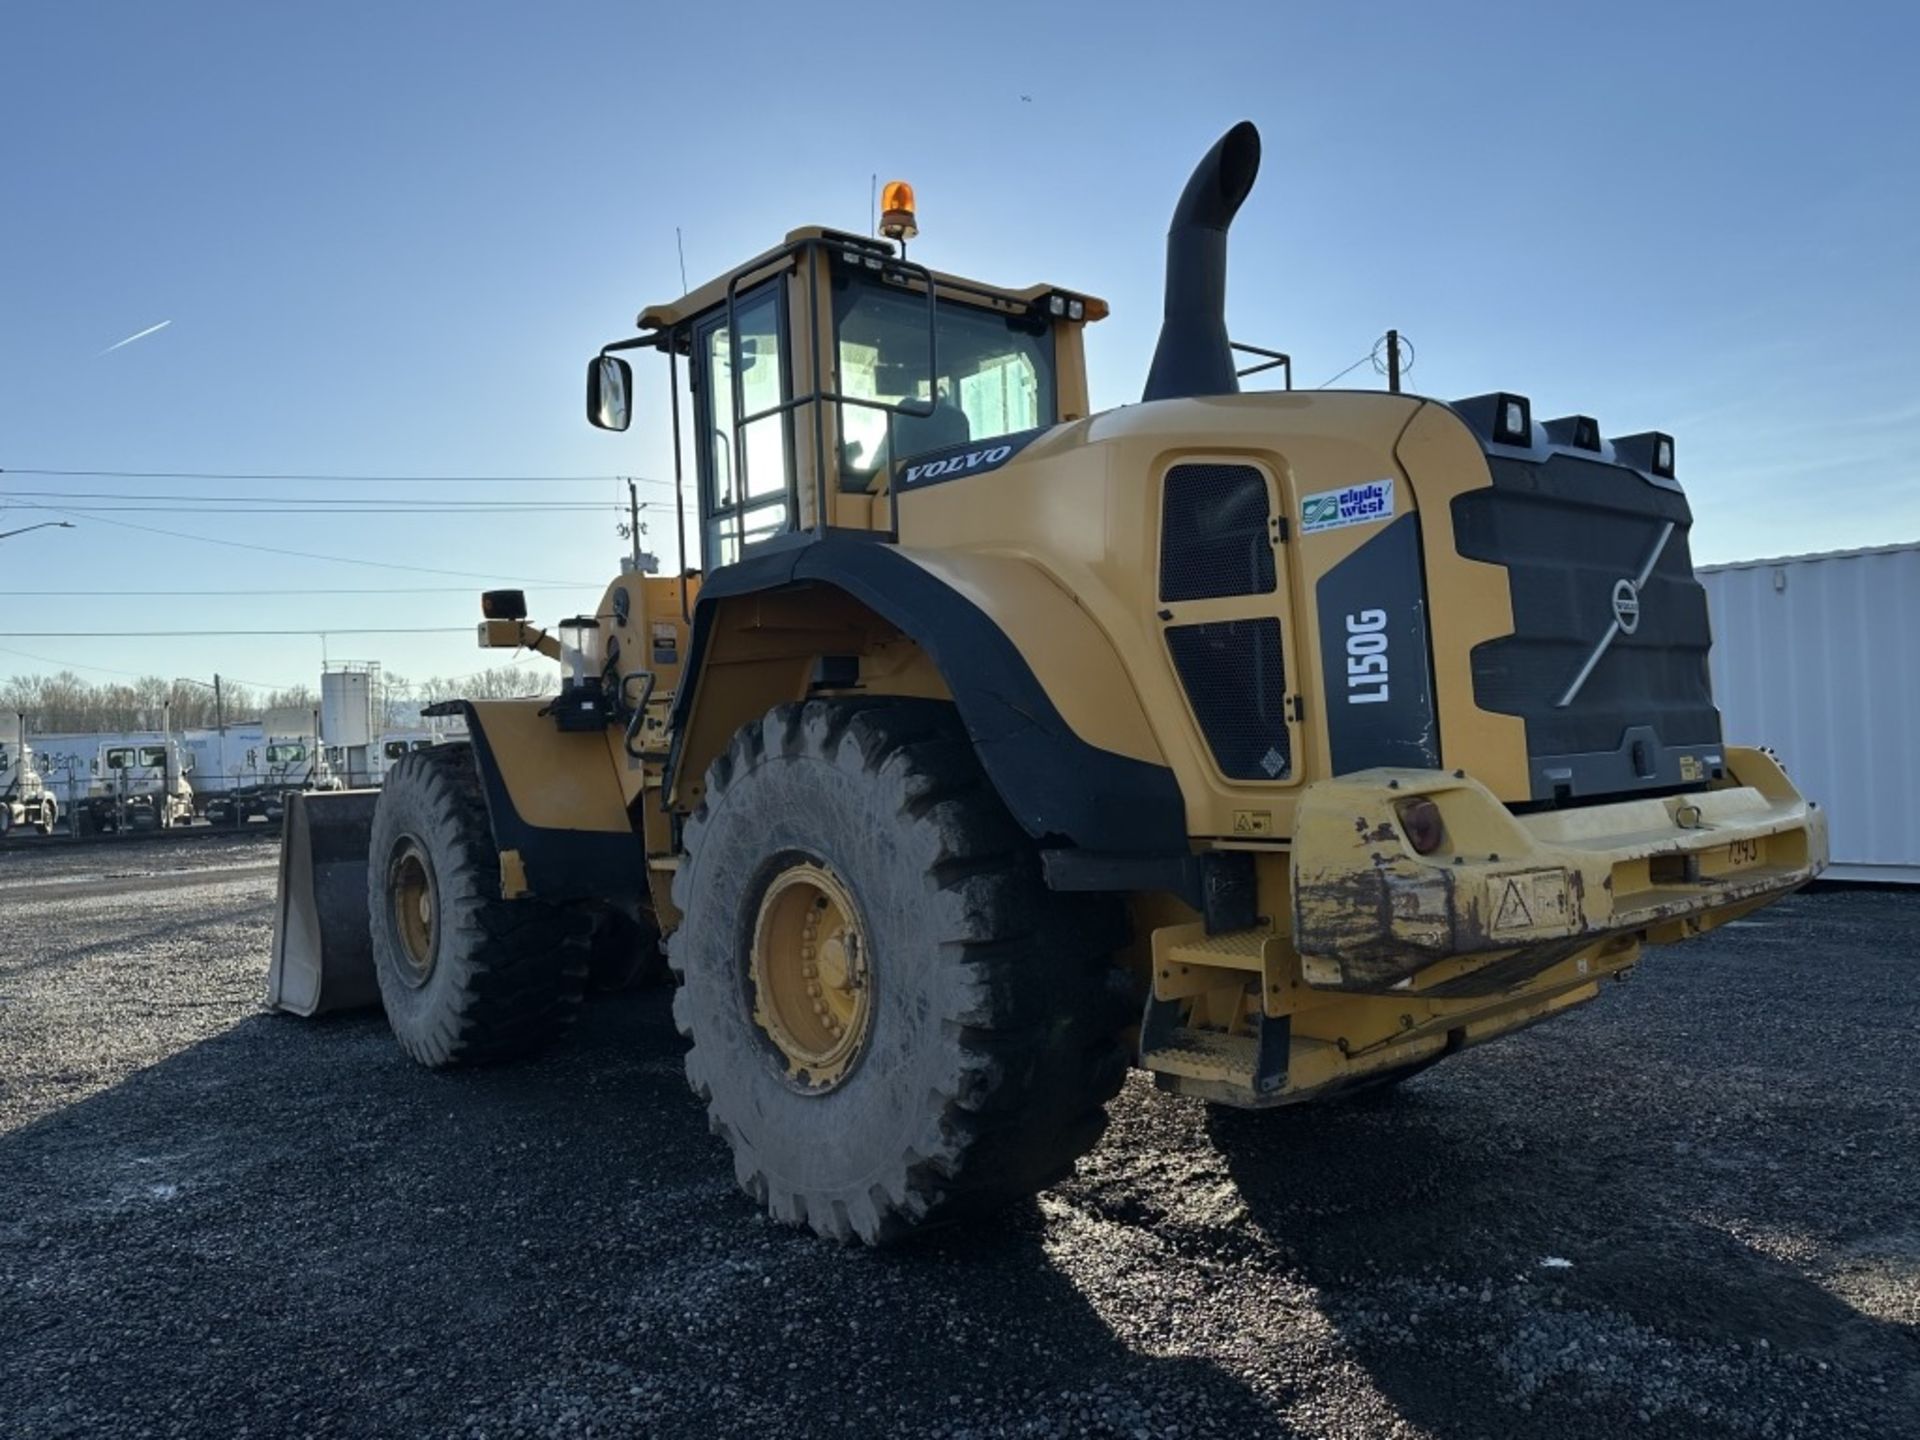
(1280, 744)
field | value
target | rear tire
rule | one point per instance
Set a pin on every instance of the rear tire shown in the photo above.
(466, 977)
(49, 817)
(984, 1013)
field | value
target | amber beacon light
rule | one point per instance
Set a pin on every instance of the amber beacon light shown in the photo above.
(896, 211)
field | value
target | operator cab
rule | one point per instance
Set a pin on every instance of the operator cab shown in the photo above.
(819, 373)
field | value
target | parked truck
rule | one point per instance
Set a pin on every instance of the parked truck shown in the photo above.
(25, 798)
(137, 785)
(254, 779)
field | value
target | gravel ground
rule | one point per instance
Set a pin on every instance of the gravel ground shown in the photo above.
(1692, 1209)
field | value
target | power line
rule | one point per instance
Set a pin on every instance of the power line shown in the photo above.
(197, 634)
(91, 510)
(311, 555)
(1348, 371)
(341, 479)
(132, 674)
(72, 664)
(398, 590)
(329, 500)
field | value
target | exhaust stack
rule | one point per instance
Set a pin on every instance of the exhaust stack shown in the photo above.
(1193, 356)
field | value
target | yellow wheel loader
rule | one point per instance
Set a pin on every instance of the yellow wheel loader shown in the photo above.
(1278, 743)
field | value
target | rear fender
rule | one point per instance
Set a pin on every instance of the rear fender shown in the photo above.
(1055, 721)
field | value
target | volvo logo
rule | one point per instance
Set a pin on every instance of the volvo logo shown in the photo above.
(1626, 613)
(1626, 605)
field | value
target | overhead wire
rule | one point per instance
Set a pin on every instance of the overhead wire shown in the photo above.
(411, 502)
(137, 674)
(309, 554)
(269, 509)
(341, 479)
(1348, 371)
(199, 634)
(347, 590)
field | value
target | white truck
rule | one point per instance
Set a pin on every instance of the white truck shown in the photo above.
(138, 784)
(256, 772)
(394, 744)
(25, 798)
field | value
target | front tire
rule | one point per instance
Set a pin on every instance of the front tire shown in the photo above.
(466, 977)
(894, 1023)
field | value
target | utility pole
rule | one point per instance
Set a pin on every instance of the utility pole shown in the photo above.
(633, 519)
(1393, 361)
(219, 715)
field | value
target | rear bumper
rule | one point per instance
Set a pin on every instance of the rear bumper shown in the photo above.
(1506, 896)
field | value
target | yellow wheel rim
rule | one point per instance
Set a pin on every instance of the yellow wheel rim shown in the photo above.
(415, 905)
(812, 986)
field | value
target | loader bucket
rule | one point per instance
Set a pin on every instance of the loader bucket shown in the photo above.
(322, 946)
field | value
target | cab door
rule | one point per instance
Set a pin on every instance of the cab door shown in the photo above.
(741, 373)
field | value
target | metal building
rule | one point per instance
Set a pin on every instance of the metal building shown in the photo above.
(1818, 656)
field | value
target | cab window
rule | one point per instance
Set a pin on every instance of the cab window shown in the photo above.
(993, 375)
(119, 759)
(286, 754)
(746, 470)
(423, 745)
(394, 749)
(153, 755)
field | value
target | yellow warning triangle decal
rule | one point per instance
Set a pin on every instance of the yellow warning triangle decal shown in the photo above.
(1513, 913)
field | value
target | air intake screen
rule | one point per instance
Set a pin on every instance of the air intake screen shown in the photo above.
(1213, 533)
(1237, 685)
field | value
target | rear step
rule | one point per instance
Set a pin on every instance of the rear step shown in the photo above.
(1211, 1063)
(1194, 971)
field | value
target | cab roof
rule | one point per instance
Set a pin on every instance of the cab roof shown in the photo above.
(714, 292)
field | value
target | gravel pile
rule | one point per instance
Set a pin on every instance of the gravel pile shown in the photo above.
(1689, 1210)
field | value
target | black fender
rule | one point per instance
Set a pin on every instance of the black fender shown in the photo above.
(1062, 790)
(591, 855)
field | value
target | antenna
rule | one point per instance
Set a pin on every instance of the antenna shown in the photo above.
(681, 245)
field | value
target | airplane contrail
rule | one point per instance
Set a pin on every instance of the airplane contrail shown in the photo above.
(131, 338)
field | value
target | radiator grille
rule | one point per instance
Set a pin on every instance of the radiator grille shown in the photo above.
(1213, 533)
(1570, 532)
(1237, 685)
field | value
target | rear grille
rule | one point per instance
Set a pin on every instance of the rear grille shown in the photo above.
(1570, 532)
(1213, 533)
(1235, 680)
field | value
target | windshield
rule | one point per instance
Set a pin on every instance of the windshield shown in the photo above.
(993, 374)
(153, 755)
(286, 754)
(119, 759)
(394, 749)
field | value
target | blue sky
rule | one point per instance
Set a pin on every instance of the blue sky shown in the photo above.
(387, 237)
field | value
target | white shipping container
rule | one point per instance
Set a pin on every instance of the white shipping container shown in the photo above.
(1818, 658)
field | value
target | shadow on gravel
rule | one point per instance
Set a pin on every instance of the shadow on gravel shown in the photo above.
(289, 1228)
(1469, 1258)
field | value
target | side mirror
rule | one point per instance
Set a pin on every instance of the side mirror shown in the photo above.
(609, 392)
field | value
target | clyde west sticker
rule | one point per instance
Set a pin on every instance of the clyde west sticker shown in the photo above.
(1355, 505)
